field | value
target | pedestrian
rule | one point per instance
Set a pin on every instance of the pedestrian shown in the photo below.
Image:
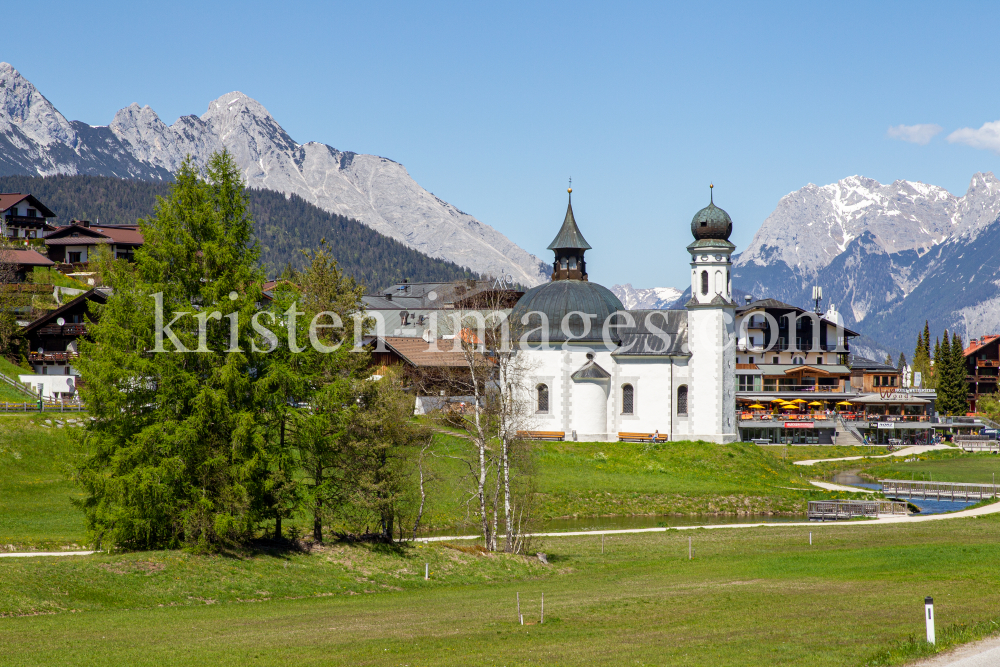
(656, 435)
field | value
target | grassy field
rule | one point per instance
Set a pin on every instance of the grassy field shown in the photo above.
(942, 467)
(36, 460)
(806, 452)
(573, 480)
(583, 479)
(759, 596)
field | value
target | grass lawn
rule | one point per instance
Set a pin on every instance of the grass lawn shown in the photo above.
(759, 596)
(35, 489)
(946, 466)
(573, 480)
(808, 452)
(585, 479)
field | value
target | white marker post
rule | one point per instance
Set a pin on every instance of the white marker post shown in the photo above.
(810, 538)
(519, 608)
(602, 544)
(542, 619)
(689, 549)
(929, 615)
(427, 571)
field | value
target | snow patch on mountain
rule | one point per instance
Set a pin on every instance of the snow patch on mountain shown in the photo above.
(652, 298)
(36, 139)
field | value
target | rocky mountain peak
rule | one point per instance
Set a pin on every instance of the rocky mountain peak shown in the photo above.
(23, 106)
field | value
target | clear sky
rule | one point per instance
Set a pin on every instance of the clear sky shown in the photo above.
(492, 106)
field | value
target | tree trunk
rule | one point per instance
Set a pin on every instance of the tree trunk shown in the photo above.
(277, 525)
(508, 517)
(318, 508)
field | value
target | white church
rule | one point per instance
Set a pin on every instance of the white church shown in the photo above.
(666, 371)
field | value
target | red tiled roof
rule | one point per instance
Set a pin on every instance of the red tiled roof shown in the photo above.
(977, 343)
(28, 258)
(419, 352)
(8, 199)
(94, 236)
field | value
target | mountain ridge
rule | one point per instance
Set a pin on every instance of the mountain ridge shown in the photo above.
(35, 139)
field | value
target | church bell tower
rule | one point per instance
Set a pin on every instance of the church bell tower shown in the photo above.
(711, 328)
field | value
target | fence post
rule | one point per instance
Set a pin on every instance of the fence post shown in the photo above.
(929, 609)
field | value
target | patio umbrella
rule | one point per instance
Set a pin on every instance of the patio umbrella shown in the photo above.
(816, 403)
(798, 400)
(757, 406)
(843, 403)
(777, 400)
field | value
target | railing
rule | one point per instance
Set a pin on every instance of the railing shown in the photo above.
(801, 346)
(65, 330)
(41, 406)
(822, 510)
(937, 490)
(820, 388)
(17, 385)
(52, 356)
(987, 363)
(875, 417)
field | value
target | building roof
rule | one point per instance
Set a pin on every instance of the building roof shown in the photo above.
(654, 333)
(764, 304)
(590, 371)
(434, 295)
(418, 352)
(861, 363)
(712, 223)
(80, 235)
(569, 236)
(977, 343)
(819, 369)
(99, 294)
(9, 199)
(557, 299)
(28, 257)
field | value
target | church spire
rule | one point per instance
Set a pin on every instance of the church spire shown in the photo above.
(569, 246)
(569, 235)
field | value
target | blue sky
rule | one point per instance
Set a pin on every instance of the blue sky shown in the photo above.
(492, 106)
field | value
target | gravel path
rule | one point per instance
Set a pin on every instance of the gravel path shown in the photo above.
(906, 451)
(984, 653)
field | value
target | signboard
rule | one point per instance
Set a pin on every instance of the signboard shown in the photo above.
(799, 424)
(886, 425)
(990, 431)
(918, 379)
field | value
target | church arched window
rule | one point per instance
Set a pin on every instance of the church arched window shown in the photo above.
(718, 282)
(628, 399)
(704, 282)
(543, 397)
(682, 399)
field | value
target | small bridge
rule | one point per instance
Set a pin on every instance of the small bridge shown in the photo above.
(833, 510)
(897, 488)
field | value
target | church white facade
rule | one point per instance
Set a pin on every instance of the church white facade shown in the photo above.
(596, 370)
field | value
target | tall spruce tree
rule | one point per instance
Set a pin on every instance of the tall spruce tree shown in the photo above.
(179, 453)
(959, 385)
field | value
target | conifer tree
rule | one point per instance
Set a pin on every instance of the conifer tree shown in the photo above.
(178, 449)
(959, 386)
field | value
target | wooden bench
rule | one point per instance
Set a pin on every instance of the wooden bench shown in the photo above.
(542, 435)
(640, 437)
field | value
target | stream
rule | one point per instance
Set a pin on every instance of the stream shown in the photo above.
(851, 478)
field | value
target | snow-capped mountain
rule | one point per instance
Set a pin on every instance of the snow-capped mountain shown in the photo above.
(653, 298)
(36, 139)
(887, 256)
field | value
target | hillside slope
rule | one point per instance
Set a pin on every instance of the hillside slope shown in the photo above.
(285, 226)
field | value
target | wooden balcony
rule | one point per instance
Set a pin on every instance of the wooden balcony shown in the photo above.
(987, 363)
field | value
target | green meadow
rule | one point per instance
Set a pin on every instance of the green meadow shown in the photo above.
(754, 596)
(749, 596)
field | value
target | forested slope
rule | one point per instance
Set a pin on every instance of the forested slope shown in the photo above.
(285, 226)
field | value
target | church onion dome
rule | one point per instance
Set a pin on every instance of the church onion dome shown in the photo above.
(711, 223)
(555, 300)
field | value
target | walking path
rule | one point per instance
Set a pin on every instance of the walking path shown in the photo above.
(28, 554)
(840, 487)
(984, 653)
(906, 451)
(978, 511)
